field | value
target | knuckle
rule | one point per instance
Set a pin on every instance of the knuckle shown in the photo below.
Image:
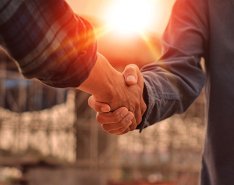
(133, 66)
(117, 117)
(131, 69)
(125, 122)
(116, 113)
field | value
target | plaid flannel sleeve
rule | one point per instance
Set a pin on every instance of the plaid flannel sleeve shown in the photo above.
(48, 41)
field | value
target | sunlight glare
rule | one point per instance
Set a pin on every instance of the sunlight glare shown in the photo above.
(130, 16)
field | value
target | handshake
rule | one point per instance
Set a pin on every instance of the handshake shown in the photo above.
(116, 97)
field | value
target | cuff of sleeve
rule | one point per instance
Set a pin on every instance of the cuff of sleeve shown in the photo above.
(149, 99)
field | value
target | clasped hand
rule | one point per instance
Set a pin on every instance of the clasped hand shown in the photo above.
(125, 110)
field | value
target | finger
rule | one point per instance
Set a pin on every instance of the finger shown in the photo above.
(126, 131)
(138, 115)
(118, 131)
(123, 125)
(112, 117)
(133, 125)
(137, 119)
(98, 106)
(131, 74)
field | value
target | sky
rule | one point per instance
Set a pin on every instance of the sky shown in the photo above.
(97, 9)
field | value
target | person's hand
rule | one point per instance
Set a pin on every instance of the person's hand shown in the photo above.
(107, 85)
(120, 120)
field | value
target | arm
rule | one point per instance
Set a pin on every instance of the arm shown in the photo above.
(174, 82)
(48, 41)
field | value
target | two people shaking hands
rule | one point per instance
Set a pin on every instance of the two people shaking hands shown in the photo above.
(50, 43)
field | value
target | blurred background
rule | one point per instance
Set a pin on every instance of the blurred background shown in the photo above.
(50, 137)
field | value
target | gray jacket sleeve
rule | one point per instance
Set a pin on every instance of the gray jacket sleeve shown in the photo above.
(173, 82)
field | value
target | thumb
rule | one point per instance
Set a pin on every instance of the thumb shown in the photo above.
(130, 74)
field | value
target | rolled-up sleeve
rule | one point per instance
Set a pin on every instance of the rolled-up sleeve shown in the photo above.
(48, 41)
(173, 82)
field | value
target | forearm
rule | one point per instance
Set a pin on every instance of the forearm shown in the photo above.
(48, 41)
(170, 89)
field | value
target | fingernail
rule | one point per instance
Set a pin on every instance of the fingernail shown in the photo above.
(131, 78)
(105, 109)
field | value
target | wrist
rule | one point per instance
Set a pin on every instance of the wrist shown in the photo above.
(112, 81)
(109, 80)
(102, 81)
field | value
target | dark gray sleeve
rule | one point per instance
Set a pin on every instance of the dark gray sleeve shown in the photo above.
(173, 82)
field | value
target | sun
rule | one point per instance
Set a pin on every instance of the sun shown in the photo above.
(130, 16)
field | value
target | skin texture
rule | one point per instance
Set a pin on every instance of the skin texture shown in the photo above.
(118, 122)
(123, 103)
